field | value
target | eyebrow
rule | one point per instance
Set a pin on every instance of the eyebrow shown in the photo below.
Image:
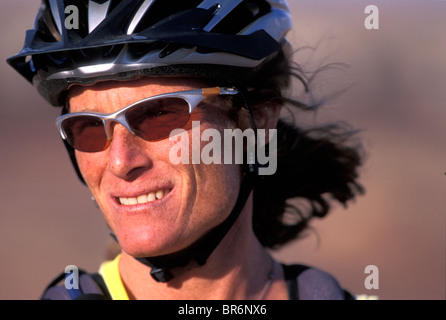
(67, 108)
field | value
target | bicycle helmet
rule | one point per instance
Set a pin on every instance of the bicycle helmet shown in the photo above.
(226, 41)
(123, 40)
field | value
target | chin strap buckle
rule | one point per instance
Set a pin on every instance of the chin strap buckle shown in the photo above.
(161, 275)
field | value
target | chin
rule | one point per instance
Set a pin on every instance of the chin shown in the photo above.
(144, 242)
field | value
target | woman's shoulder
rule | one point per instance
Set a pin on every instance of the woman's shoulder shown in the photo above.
(310, 283)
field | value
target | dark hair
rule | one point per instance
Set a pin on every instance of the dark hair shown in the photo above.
(315, 167)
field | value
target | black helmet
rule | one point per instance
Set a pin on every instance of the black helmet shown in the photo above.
(127, 39)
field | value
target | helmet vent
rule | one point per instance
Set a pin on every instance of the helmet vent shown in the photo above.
(56, 16)
(46, 23)
(243, 15)
(159, 10)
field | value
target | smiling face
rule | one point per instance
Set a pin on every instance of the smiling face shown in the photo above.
(153, 206)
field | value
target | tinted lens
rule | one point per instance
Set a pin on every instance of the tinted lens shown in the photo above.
(155, 119)
(85, 133)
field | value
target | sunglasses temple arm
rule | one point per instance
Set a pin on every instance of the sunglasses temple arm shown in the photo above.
(209, 92)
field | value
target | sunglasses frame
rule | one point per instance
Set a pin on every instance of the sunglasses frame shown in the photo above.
(192, 97)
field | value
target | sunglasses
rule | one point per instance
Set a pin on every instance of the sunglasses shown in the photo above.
(151, 119)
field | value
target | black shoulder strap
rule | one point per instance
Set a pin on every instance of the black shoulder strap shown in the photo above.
(91, 287)
(291, 273)
(316, 285)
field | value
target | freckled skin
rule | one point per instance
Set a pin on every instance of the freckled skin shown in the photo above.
(202, 195)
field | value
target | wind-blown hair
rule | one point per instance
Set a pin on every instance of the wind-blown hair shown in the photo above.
(316, 167)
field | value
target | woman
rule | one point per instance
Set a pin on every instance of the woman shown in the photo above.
(138, 78)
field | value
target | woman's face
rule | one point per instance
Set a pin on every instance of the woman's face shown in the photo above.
(152, 205)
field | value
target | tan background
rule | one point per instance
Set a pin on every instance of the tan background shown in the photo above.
(49, 222)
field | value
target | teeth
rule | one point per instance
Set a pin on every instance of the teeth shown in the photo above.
(144, 198)
(159, 194)
(151, 197)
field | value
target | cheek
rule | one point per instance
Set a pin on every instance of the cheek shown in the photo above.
(220, 185)
(91, 166)
(217, 183)
(215, 195)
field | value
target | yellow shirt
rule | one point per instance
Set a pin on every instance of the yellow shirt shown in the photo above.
(109, 270)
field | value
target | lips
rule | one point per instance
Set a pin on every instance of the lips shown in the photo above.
(144, 198)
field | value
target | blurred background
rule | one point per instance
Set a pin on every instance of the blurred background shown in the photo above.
(399, 70)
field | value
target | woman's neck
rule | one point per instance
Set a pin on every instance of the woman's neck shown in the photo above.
(239, 268)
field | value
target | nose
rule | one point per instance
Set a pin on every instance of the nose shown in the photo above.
(128, 157)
